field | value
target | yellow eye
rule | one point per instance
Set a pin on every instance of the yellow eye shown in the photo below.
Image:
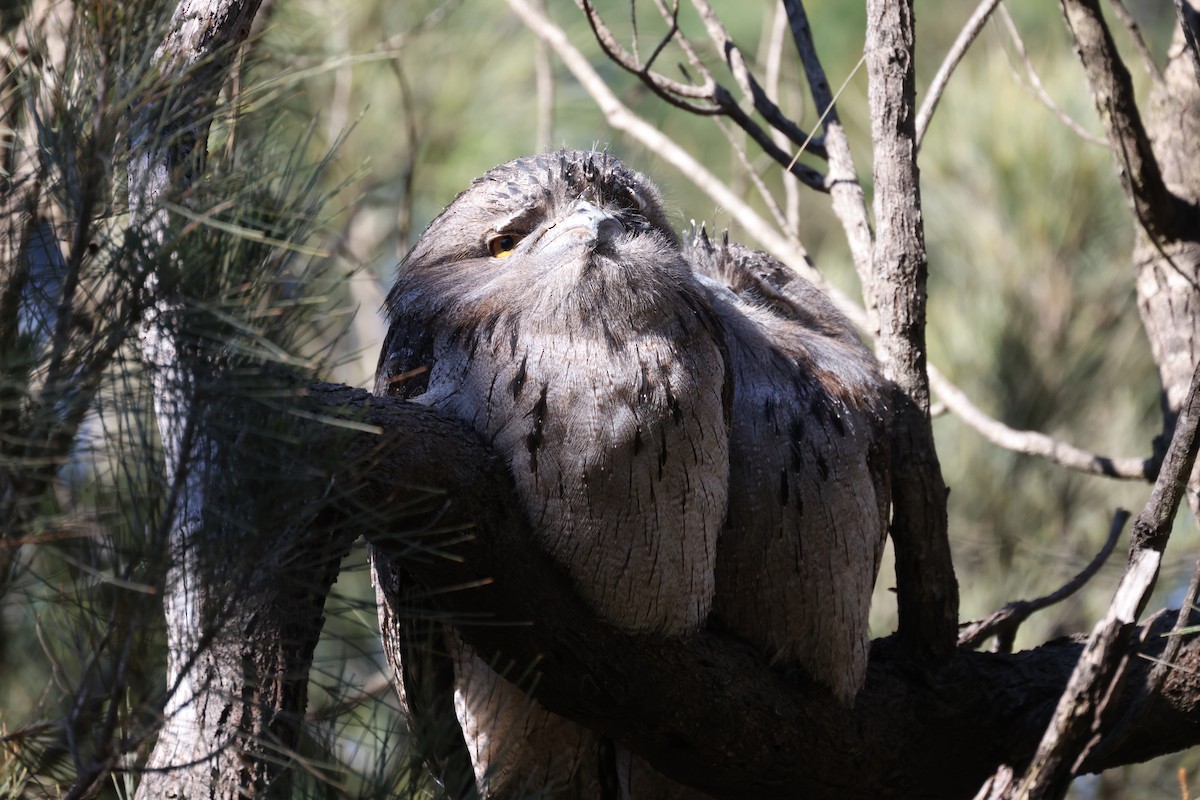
(503, 245)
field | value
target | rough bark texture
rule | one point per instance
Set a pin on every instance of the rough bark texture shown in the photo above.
(927, 591)
(912, 733)
(1156, 164)
(1168, 265)
(241, 631)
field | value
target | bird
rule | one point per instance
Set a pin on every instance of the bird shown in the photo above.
(695, 432)
(549, 307)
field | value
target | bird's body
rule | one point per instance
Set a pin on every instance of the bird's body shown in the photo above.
(808, 495)
(551, 307)
(586, 354)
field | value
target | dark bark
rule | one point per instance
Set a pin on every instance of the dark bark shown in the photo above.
(1099, 679)
(706, 710)
(1155, 159)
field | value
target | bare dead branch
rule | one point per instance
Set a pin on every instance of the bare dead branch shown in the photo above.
(670, 90)
(620, 117)
(1037, 444)
(1034, 83)
(717, 100)
(1112, 91)
(941, 79)
(1098, 679)
(1003, 624)
(848, 201)
(749, 85)
(1189, 23)
(1135, 34)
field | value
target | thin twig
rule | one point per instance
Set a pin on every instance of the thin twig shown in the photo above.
(1035, 85)
(710, 98)
(1037, 444)
(845, 190)
(672, 19)
(745, 79)
(622, 118)
(763, 192)
(670, 90)
(1189, 23)
(1003, 624)
(1139, 43)
(959, 49)
(545, 91)
(774, 62)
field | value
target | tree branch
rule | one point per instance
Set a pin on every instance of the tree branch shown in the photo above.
(1189, 23)
(1139, 42)
(623, 119)
(241, 632)
(927, 592)
(1003, 624)
(1098, 680)
(1033, 443)
(1032, 83)
(845, 190)
(706, 710)
(1112, 89)
(941, 79)
(715, 98)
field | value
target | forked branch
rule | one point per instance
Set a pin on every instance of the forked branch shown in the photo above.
(1098, 680)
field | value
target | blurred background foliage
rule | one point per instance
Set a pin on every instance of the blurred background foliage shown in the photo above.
(1031, 312)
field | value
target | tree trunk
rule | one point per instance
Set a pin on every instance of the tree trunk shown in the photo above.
(249, 569)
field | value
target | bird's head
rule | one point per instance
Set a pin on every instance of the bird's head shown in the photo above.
(528, 219)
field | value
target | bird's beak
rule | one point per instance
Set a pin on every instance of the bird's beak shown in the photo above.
(590, 220)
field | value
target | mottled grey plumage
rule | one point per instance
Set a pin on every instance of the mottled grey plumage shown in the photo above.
(588, 356)
(809, 492)
(602, 359)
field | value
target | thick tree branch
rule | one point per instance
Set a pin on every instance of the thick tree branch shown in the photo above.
(706, 710)
(241, 632)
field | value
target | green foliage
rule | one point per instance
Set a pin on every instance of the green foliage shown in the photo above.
(86, 507)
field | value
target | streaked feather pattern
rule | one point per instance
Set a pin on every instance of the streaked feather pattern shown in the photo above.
(647, 397)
